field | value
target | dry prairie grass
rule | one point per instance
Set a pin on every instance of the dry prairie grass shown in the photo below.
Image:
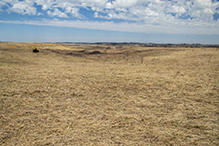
(51, 98)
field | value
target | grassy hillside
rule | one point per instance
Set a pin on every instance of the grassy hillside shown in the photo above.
(65, 95)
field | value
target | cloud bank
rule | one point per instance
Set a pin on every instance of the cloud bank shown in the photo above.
(146, 16)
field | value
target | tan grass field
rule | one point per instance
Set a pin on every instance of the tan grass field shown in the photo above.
(122, 96)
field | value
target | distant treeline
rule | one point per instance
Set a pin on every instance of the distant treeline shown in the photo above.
(161, 45)
(148, 44)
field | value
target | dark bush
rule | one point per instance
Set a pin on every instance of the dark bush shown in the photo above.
(35, 50)
(94, 52)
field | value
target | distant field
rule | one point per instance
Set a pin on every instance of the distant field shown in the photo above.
(104, 95)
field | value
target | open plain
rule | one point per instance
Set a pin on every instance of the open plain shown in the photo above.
(108, 95)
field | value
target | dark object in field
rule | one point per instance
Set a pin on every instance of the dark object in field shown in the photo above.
(74, 54)
(82, 51)
(36, 50)
(94, 52)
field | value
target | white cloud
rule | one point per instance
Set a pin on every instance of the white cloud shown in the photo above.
(58, 13)
(9, 1)
(122, 3)
(198, 9)
(96, 15)
(150, 16)
(177, 9)
(142, 12)
(183, 27)
(73, 11)
(24, 8)
(46, 4)
(21, 7)
(121, 9)
(113, 15)
(203, 9)
(69, 8)
(39, 13)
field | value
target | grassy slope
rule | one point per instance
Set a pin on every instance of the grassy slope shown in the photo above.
(55, 99)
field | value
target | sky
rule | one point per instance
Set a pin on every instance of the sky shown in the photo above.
(144, 21)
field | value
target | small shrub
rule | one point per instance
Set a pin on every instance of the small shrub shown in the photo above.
(35, 50)
(95, 52)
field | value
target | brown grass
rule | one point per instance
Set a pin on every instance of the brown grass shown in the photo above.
(112, 98)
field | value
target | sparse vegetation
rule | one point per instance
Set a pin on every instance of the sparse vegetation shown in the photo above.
(35, 50)
(170, 97)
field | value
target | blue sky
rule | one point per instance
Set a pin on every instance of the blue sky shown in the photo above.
(145, 21)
